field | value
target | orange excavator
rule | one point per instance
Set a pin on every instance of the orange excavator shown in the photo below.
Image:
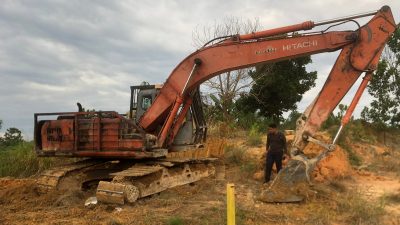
(160, 143)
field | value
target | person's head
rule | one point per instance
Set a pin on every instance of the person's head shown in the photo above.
(272, 128)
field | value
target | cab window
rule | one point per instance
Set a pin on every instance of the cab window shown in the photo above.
(146, 102)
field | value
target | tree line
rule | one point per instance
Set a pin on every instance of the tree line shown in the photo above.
(11, 137)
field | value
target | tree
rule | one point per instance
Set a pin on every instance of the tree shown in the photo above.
(290, 121)
(225, 88)
(384, 110)
(11, 137)
(335, 120)
(278, 87)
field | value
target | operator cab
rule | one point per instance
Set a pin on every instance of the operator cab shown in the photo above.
(192, 131)
(142, 96)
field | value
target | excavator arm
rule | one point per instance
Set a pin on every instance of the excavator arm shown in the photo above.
(360, 52)
(355, 59)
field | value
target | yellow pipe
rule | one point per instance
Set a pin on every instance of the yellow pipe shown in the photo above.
(230, 204)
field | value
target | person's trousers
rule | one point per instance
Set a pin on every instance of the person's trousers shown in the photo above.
(272, 157)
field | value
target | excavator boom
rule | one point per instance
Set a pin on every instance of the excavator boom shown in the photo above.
(360, 52)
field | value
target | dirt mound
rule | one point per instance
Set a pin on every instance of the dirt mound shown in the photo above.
(25, 192)
(17, 190)
(335, 165)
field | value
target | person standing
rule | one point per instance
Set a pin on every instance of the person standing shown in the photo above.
(276, 148)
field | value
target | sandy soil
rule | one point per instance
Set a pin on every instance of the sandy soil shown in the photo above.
(202, 202)
(199, 203)
(376, 187)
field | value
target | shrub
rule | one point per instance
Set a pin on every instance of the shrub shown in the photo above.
(243, 120)
(254, 136)
(354, 159)
(20, 160)
(248, 167)
(358, 132)
(234, 154)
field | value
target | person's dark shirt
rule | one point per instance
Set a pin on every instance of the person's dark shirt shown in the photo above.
(276, 142)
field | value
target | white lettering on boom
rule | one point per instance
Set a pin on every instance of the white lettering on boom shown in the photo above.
(305, 44)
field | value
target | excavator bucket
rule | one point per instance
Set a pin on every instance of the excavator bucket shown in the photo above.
(292, 182)
(287, 185)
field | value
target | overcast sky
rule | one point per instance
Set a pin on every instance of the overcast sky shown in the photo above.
(56, 53)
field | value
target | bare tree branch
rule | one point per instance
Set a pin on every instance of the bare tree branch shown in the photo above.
(228, 86)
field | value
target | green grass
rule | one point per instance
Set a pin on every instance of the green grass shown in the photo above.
(175, 220)
(354, 159)
(254, 137)
(20, 160)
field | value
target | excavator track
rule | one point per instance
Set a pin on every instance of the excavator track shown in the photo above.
(74, 175)
(143, 180)
(125, 181)
(50, 179)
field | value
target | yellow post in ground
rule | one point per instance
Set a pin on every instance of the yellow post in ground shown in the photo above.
(230, 204)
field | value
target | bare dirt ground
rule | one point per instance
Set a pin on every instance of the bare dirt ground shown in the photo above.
(204, 202)
(375, 187)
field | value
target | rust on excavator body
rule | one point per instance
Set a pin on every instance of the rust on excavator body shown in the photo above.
(89, 134)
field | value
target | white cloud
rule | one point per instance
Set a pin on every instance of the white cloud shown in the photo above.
(45, 87)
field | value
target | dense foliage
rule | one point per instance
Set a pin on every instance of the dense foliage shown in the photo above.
(277, 88)
(12, 137)
(384, 111)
